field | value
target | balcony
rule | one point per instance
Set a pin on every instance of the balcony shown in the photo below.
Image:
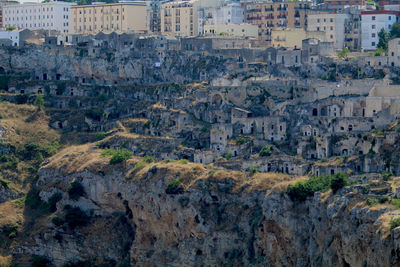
(253, 10)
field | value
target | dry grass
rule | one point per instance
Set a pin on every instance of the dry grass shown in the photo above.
(283, 186)
(25, 124)
(78, 158)
(5, 260)
(334, 161)
(11, 213)
(264, 181)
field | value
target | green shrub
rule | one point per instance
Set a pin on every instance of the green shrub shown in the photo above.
(39, 102)
(117, 156)
(49, 149)
(183, 161)
(52, 202)
(4, 183)
(174, 187)
(9, 230)
(394, 223)
(75, 217)
(108, 152)
(120, 156)
(338, 181)
(266, 151)
(386, 175)
(395, 202)
(100, 136)
(11, 162)
(241, 140)
(253, 169)
(57, 221)
(306, 188)
(228, 155)
(372, 201)
(140, 165)
(149, 159)
(75, 190)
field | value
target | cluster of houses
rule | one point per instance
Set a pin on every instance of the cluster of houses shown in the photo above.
(351, 24)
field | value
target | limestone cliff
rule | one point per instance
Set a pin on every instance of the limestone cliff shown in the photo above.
(137, 214)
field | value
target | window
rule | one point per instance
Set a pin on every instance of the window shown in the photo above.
(373, 17)
(373, 43)
(373, 26)
(390, 17)
(373, 35)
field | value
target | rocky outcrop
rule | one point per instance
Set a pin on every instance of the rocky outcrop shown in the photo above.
(210, 217)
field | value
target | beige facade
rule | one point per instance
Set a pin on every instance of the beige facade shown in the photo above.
(292, 38)
(269, 16)
(243, 30)
(118, 17)
(179, 19)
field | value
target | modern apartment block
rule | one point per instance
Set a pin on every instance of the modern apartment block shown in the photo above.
(330, 23)
(184, 18)
(372, 22)
(36, 16)
(117, 17)
(270, 16)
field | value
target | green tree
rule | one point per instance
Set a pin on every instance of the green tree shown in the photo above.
(343, 54)
(395, 31)
(383, 39)
(39, 102)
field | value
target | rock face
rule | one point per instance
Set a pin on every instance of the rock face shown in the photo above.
(219, 218)
(120, 68)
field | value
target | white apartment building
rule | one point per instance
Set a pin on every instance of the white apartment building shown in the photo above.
(330, 23)
(183, 18)
(36, 16)
(227, 14)
(371, 24)
(231, 13)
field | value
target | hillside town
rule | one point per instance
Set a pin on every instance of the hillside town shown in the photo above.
(200, 133)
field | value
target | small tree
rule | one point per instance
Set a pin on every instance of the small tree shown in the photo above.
(39, 102)
(339, 181)
(383, 39)
(266, 151)
(395, 31)
(343, 54)
(11, 28)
